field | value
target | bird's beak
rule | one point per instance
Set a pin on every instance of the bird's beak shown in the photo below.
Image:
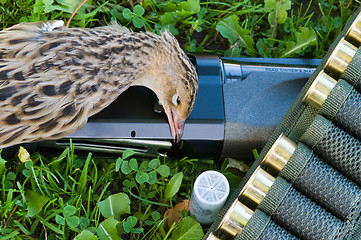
(176, 124)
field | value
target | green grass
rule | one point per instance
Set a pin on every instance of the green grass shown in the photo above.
(249, 28)
(67, 196)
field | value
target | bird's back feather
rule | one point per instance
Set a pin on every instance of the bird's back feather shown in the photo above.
(52, 78)
(48, 79)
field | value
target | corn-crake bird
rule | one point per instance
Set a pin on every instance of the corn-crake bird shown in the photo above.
(53, 78)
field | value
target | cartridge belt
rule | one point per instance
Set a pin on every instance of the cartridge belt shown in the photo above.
(306, 182)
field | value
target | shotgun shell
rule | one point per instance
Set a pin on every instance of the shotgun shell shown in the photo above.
(340, 58)
(354, 33)
(319, 90)
(209, 194)
(279, 154)
(257, 186)
(235, 219)
(212, 237)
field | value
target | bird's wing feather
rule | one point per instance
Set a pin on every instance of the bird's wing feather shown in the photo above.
(116, 27)
(41, 95)
(42, 26)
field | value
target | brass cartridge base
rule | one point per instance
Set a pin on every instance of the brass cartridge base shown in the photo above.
(235, 219)
(257, 186)
(319, 90)
(353, 35)
(279, 154)
(340, 58)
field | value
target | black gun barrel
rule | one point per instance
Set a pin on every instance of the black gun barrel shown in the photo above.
(240, 102)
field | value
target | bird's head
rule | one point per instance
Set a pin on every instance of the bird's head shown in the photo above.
(177, 100)
(173, 78)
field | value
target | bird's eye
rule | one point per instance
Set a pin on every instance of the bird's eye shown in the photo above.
(176, 100)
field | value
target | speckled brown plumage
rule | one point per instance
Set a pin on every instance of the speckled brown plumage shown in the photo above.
(52, 78)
